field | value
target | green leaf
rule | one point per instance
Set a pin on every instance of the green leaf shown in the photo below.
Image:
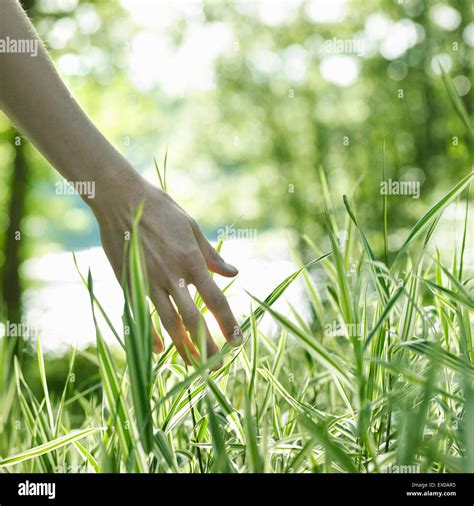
(431, 214)
(324, 357)
(456, 100)
(48, 447)
(44, 384)
(334, 451)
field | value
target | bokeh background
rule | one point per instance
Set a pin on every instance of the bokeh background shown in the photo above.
(250, 98)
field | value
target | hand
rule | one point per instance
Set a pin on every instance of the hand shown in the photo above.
(176, 251)
(177, 254)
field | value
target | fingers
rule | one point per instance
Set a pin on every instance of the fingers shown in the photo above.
(158, 345)
(217, 303)
(214, 261)
(194, 322)
(174, 326)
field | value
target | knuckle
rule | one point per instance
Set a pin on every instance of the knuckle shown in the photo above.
(188, 257)
(197, 268)
(200, 275)
(167, 282)
(216, 299)
(191, 316)
(169, 320)
(213, 254)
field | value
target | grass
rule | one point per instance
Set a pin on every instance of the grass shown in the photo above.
(392, 385)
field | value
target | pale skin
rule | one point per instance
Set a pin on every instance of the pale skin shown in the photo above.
(177, 253)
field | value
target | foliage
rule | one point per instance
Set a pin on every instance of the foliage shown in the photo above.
(386, 380)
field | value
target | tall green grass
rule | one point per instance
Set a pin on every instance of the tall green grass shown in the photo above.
(392, 386)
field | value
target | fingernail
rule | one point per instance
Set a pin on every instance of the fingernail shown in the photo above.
(231, 268)
(237, 337)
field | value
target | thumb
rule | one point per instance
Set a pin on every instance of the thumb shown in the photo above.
(215, 263)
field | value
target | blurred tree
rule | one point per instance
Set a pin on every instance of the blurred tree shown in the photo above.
(11, 286)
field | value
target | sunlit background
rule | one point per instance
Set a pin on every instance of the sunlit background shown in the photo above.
(249, 98)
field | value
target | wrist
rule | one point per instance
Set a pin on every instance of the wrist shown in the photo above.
(119, 189)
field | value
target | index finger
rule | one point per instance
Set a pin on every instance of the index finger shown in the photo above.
(217, 303)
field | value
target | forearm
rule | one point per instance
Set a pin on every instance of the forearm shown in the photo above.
(176, 251)
(33, 95)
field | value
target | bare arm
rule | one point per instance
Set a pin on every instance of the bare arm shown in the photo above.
(33, 95)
